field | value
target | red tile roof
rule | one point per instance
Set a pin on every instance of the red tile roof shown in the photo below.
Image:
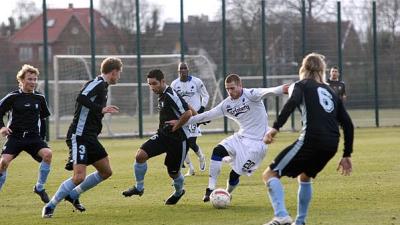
(32, 32)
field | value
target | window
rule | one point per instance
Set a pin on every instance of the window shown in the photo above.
(51, 22)
(41, 56)
(73, 50)
(25, 54)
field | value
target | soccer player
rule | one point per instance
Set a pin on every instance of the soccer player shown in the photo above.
(322, 113)
(82, 138)
(195, 94)
(171, 140)
(26, 128)
(245, 148)
(338, 86)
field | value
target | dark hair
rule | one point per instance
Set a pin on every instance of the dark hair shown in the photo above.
(335, 67)
(157, 73)
(109, 64)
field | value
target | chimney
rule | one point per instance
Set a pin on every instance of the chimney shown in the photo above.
(70, 5)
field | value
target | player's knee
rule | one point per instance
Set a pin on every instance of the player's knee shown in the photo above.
(268, 174)
(78, 178)
(141, 156)
(47, 155)
(106, 174)
(304, 178)
(219, 152)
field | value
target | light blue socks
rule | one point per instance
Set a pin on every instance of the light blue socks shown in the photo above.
(277, 197)
(3, 179)
(44, 170)
(178, 184)
(90, 181)
(140, 170)
(65, 188)
(303, 201)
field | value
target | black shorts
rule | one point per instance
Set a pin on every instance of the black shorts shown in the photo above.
(29, 144)
(86, 149)
(301, 157)
(175, 150)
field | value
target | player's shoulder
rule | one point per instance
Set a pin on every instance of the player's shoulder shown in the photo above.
(174, 82)
(12, 94)
(195, 79)
(39, 94)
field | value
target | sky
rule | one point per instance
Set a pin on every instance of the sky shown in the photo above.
(170, 9)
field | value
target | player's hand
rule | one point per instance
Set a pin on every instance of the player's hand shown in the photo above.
(201, 110)
(4, 131)
(269, 137)
(110, 109)
(345, 167)
(285, 88)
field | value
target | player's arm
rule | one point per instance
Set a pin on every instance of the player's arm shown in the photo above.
(261, 93)
(289, 107)
(345, 165)
(179, 104)
(5, 106)
(44, 113)
(344, 96)
(204, 97)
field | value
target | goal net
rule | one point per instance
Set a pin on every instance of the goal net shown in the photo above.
(72, 71)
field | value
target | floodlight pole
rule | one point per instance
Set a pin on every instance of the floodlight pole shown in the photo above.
(139, 69)
(45, 63)
(92, 40)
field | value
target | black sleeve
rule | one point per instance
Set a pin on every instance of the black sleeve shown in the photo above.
(44, 109)
(84, 99)
(43, 128)
(5, 106)
(178, 103)
(348, 129)
(289, 107)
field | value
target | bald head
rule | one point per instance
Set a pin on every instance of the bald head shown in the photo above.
(183, 71)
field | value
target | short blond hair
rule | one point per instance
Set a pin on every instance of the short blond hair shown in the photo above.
(109, 64)
(233, 78)
(26, 68)
(313, 67)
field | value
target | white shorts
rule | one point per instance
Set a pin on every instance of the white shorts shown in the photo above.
(194, 130)
(247, 154)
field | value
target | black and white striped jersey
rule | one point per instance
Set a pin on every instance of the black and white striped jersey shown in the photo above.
(171, 106)
(27, 112)
(321, 114)
(88, 108)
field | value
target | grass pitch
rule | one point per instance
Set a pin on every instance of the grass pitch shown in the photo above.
(371, 195)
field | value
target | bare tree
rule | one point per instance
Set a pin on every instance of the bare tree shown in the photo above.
(123, 13)
(25, 11)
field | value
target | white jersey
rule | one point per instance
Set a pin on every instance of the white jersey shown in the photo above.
(195, 94)
(247, 111)
(193, 91)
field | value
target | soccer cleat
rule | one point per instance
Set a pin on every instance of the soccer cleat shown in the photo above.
(42, 194)
(206, 197)
(294, 223)
(189, 173)
(132, 191)
(47, 212)
(202, 165)
(172, 200)
(77, 205)
(69, 165)
(287, 220)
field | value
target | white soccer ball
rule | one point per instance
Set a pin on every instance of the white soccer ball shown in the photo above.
(220, 198)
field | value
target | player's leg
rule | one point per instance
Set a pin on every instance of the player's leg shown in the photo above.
(79, 153)
(5, 161)
(65, 188)
(196, 148)
(277, 197)
(218, 154)
(175, 154)
(44, 170)
(233, 181)
(304, 196)
(152, 147)
(192, 144)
